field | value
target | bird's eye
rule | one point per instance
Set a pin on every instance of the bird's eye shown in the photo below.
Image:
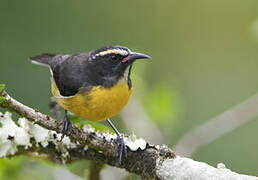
(113, 57)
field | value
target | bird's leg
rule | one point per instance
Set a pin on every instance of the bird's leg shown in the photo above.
(66, 125)
(121, 143)
(54, 108)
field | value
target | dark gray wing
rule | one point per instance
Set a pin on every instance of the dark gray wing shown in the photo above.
(74, 73)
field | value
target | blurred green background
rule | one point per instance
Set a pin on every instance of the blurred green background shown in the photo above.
(204, 61)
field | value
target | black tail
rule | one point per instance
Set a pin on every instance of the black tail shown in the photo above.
(43, 59)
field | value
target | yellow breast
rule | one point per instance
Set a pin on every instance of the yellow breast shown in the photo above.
(98, 104)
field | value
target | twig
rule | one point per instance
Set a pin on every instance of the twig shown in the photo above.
(218, 126)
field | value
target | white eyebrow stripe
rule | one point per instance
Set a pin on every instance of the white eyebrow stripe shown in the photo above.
(115, 51)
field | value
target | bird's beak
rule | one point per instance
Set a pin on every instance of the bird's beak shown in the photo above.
(133, 56)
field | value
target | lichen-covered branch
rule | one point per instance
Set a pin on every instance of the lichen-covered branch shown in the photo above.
(181, 168)
(36, 134)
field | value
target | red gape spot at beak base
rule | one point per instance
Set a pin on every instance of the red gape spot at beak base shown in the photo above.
(134, 56)
(126, 59)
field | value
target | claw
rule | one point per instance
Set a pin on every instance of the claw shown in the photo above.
(66, 125)
(122, 150)
(121, 147)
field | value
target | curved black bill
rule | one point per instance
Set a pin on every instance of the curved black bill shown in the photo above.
(134, 56)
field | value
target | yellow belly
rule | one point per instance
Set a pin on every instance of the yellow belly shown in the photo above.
(99, 104)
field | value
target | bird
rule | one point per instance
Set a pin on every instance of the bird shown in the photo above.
(94, 85)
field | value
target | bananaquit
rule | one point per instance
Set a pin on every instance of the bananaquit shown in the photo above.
(94, 85)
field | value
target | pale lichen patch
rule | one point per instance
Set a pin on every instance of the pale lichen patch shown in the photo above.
(11, 136)
(88, 129)
(134, 144)
(67, 142)
(7, 148)
(221, 166)
(85, 148)
(41, 135)
(110, 137)
(25, 133)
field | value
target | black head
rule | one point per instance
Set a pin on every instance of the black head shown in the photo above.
(114, 59)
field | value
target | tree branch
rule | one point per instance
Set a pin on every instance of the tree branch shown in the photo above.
(39, 137)
(86, 143)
